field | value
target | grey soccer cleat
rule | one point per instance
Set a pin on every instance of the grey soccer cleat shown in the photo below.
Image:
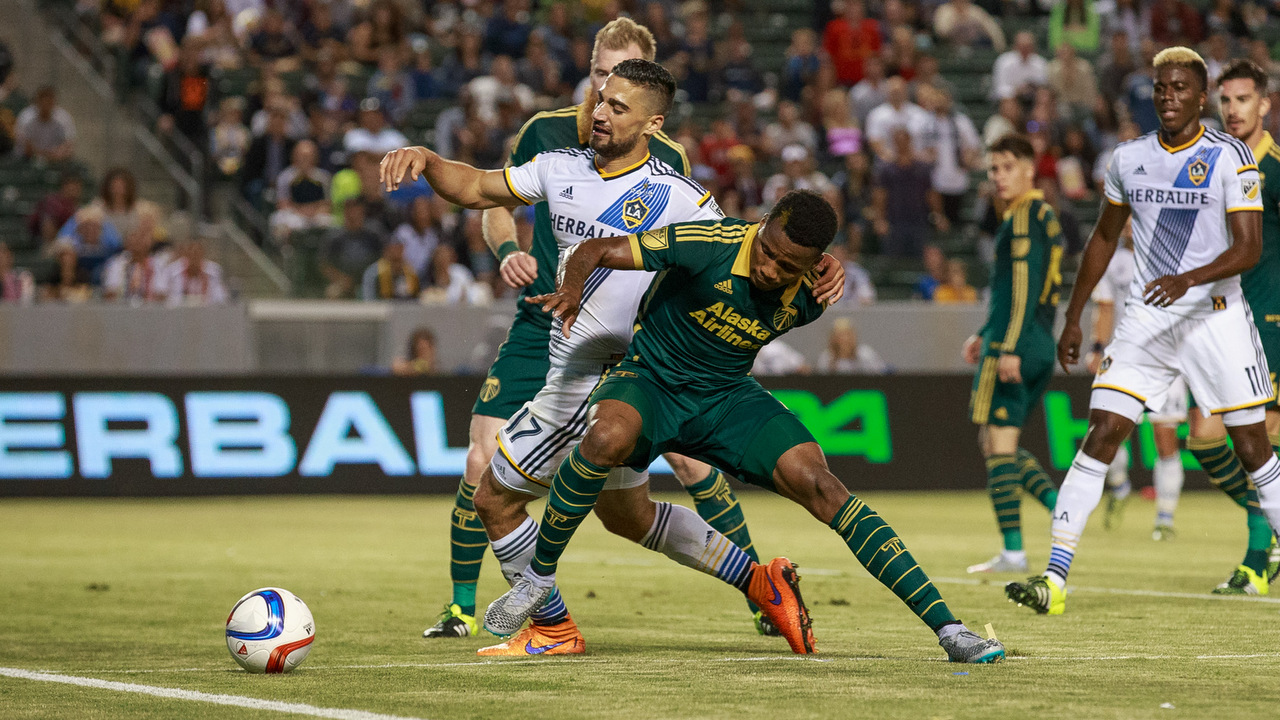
(999, 564)
(967, 647)
(506, 615)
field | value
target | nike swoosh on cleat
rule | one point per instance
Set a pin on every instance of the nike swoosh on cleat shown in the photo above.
(529, 647)
(777, 596)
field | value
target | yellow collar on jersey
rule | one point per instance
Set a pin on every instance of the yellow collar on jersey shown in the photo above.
(1183, 146)
(1025, 197)
(1264, 145)
(742, 264)
(623, 171)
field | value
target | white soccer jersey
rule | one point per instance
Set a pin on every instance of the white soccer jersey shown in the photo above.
(585, 203)
(1180, 198)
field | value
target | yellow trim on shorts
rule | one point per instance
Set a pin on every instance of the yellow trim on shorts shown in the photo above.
(1130, 393)
(1243, 407)
(520, 470)
(986, 389)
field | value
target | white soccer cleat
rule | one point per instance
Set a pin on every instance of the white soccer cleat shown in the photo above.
(506, 615)
(1000, 564)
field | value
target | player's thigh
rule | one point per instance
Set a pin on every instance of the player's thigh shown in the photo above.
(1142, 360)
(744, 431)
(481, 446)
(1000, 439)
(542, 433)
(1224, 362)
(640, 409)
(687, 470)
(801, 474)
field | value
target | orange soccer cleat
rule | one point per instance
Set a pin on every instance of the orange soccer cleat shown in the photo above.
(776, 589)
(559, 639)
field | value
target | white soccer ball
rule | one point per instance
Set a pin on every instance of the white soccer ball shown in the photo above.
(270, 630)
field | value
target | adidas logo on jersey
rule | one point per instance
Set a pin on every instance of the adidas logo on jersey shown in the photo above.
(1140, 171)
(725, 286)
(567, 193)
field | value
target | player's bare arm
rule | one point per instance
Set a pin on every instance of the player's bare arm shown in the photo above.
(1093, 265)
(516, 266)
(456, 182)
(1246, 248)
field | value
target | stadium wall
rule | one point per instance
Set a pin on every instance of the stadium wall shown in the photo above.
(327, 434)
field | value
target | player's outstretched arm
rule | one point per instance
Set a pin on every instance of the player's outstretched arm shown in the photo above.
(459, 183)
(1097, 255)
(612, 252)
(1246, 248)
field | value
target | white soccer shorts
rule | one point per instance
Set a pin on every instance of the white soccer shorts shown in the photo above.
(1174, 410)
(1220, 355)
(541, 435)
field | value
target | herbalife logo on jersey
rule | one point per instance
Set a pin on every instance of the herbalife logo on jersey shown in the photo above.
(638, 208)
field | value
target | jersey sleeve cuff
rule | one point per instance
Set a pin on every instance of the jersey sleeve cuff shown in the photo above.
(636, 257)
(1117, 203)
(1246, 168)
(1248, 208)
(506, 176)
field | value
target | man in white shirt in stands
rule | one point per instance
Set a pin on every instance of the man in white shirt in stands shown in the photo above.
(192, 280)
(373, 134)
(896, 112)
(1020, 70)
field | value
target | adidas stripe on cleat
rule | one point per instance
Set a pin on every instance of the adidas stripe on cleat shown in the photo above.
(1039, 594)
(452, 624)
(1243, 581)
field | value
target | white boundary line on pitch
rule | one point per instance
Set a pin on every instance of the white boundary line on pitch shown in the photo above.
(195, 696)
(1121, 591)
(311, 668)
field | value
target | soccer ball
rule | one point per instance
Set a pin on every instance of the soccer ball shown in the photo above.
(270, 631)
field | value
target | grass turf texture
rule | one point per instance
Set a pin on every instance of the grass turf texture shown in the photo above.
(138, 590)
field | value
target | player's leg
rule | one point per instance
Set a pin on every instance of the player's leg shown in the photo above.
(1167, 476)
(999, 447)
(1248, 431)
(1207, 441)
(1118, 487)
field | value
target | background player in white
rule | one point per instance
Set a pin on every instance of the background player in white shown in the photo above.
(1183, 185)
(614, 186)
(1110, 299)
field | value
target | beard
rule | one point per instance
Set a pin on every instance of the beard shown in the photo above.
(613, 147)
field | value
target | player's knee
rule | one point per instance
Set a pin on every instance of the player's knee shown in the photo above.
(606, 445)
(620, 522)
(1106, 432)
(687, 470)
(491, 500)
(1252, 446)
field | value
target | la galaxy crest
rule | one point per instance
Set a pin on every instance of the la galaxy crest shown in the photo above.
(638, 208)
(1198, 169)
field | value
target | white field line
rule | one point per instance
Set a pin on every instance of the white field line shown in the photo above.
(312, 668)
(1121, 591)
(194, 696)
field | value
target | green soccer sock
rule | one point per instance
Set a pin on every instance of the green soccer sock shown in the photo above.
(574, 490)
(467, 543)
(716, 503)
(1228, 475)
(1004, 483)
(882, 553)
(1035, 481)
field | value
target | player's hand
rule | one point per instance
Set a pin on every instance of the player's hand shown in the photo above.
(1069, 345)
(830, 285)
(397, 164)
(1093, 361)
(971, 350)
(1164, 291)
(564, 303)
(518, 269)
(1009, 368)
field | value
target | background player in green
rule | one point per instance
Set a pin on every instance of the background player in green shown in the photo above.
(1243, 103)
(1014, 350)
(725, 289)
(521, 367)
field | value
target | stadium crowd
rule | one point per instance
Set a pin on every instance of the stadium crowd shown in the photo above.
(295, 101)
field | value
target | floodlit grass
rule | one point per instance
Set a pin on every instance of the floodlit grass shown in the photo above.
(138, 590)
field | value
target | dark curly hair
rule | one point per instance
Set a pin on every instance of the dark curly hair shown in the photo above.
(1245, 69)
(807, 219)
(1016, 144)
(652, 77)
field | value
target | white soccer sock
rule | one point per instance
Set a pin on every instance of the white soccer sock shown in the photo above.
(680, 534)
(1268, 489)
(1118, 473)
(1168, 477)
(1079, 495)
(515, 550)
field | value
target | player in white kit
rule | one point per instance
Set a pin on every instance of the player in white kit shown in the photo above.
(1194, 198)
(613, 188)
(1110, 300)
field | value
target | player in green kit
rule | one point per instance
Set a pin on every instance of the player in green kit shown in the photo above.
(1243, 103)
(1015, 349)
(723, 290)
(521, 368)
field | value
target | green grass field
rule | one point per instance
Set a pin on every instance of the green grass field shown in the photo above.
(137, 591)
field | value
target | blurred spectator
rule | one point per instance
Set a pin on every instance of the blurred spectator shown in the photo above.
(961, 24)
(935, 273)
(1072, 81)
(118, 199)
(897, 112)
(419, 234)
(904, 200)
(465, 63)
(715, 146)
(488, 90)
(267, 157)
(849, 40)
(902, 54)
(325, 88)
(742, 179)
(507, 31)
(842, 134)
(538, 70)
(779, 358)
(44, 130)
(319, 33)
(373, 134)
(738, 73)
(1139, 90)
(184, 96)
(871, 92)
(70, 281)
(383, 26)
(93, 237)
(854, 184)
(352, 182)
(391, 277)
(846, 356)
(421, 356)
(229, 140)
(802, 63)
(1224, 17)
(191, 279)
(275, 96)
(798, 173)
(426, 81)
(1114, 66)
(1075, 23)
(451, 283)
(858, 287)
(956, 290)
(1018, 72)
(1075, 164)
(1129, 19)
(929, 73)
(350, 250)
(1217, 53)
(1008, 119)
(302, 194)
(327, 135)
(274, 42)
(695, 61)
(958, 151)
(16, 284)
(1175, 22)
(55, 209)
(789, 129)
(393, 88)
(557, 30)
(133, 275)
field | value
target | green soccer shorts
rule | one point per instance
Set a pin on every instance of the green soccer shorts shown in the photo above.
(519, 372)
(1002, 404)
(739, 428)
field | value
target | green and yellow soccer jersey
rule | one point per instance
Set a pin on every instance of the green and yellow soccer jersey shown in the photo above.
(701, 320)
(554, 130)
(1261, 283)
(1026, 278)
